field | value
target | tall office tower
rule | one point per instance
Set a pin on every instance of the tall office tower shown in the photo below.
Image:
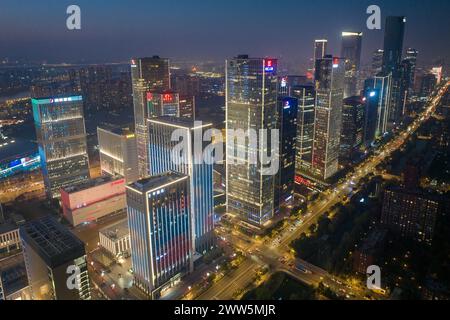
(96, 85)
(159, 219)
(187, 107)
(186, 84)
(193, 164)
(52, 255)
(383, 86)
(328, 116)
(351, 52)
(306, 97)
(392, 58)
(352, 134)
(147, 75)
(284, 187)
(61, 136)
(251, 103)
(377, 62)
(372, 103)
(411, 57)
(118, 152)
(166, 103)
(410, 214)
(320, 48)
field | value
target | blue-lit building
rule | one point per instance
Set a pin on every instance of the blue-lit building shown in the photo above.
(189, 161)
(159, 219)
(287, 122)
(61, 136)
(371, 103)
(251, 104)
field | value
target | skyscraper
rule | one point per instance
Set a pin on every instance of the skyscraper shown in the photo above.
(148, 75)
(306, 97)
(372, 103)
(383, 84)
(352, 135)
(159, 219)
(61, 136)
(52, 254)
(392, 58)
(328, 116)
(288, 113)
(320, 48)
(377, 62)
(351, 52)
(199, 168)
(411, 57)
(251, 103)
(118, 153)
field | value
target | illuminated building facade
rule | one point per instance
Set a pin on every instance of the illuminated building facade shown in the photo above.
(118, 153)
(352, 134)
(147, 75)
(192, 163)
(165, 103)
(383, 88)
(372, 102)
(93, 200)
(328, 116)
(284, 187)
(61, 136)
(251, 103)
(306, 97)
(159, 219)
(351, 52)
(377, 62)
(49, 250)
(187, 107)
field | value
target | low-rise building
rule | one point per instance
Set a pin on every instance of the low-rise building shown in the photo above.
(93, 200)
(116, 238)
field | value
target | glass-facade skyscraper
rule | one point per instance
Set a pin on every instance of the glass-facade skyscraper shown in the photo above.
(61, 135)
(383, 86)
(352, 136)
(351, 52)
(159, 219)
(193, 164)
(392, 59)
(147, 75)
(306, 98)
(251, 104)
(328, 116)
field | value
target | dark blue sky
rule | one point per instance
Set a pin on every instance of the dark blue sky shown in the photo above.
(208, 29)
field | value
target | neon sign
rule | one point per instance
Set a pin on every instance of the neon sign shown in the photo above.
(269, 65)
(167, 97)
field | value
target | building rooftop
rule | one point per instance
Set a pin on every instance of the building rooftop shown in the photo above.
(156, 182)
(118, 130)
(92, 183)
(179, 122)
(13, 274)
(54, 243)
(116, 231)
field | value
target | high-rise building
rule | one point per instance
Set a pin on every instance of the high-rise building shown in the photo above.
(61, 136)
(383, 86)
(328, 116)
(411, 57)
(320, 48)
(193, 163)
(428, 84)
(52, 255)
(351, 52)
(392, 58)
(306, 97)
(372, 103)
(159, 219)
(251, 103)
(166, 103)
(410, 214)
(377, 62)
(352, 134)
(118, 152)
(148, 75)
(187, 107)
(284, 187)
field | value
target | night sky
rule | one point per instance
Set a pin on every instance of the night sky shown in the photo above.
(114, 30)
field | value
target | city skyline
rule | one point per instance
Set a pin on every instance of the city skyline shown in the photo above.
(186, 36)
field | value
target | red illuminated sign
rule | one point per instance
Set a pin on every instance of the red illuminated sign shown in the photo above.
(269, 65)
(302, 181)
(167, 97)
(149, 96)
